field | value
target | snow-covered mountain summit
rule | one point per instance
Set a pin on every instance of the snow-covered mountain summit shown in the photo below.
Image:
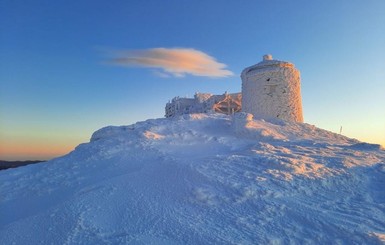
(201, 179)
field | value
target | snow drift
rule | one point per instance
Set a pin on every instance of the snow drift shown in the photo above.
(200, 179)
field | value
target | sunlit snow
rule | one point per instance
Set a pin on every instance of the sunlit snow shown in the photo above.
(201, 179)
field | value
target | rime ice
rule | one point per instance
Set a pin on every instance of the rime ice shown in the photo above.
(203, 102)
(272, 89)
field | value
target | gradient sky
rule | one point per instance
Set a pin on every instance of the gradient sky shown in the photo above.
(68, 68)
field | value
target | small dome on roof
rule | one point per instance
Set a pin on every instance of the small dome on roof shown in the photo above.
(266, 63)
(267, 57)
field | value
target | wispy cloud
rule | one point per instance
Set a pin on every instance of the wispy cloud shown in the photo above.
(173, 61)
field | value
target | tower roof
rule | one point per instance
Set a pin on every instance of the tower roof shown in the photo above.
(267, 63)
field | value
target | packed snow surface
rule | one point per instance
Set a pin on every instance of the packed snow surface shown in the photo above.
(201, 179)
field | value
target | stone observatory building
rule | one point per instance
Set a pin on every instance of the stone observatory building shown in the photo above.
(272, 89)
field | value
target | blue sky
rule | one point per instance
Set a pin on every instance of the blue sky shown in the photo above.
(57, 85)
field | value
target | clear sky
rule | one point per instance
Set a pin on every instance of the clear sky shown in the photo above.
(68, 68)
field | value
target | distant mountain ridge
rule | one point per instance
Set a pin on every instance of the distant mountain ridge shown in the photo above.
(14, 164)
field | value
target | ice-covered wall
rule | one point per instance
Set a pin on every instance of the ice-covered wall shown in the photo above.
(203, 103)
(272, 89)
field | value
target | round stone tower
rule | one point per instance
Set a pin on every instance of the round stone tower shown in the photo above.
(272, 89)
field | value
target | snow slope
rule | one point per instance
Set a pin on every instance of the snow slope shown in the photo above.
(201, 179)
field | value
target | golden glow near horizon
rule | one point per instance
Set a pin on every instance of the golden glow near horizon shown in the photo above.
(44, 147)
(32, 149)
(35, 145)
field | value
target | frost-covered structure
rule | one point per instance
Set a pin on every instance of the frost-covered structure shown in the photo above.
(203, 103)
(272, 89)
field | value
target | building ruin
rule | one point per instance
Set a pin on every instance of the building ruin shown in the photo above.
(270, 89)
(204, 103)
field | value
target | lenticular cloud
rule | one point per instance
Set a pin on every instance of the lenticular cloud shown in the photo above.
(176, 61)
